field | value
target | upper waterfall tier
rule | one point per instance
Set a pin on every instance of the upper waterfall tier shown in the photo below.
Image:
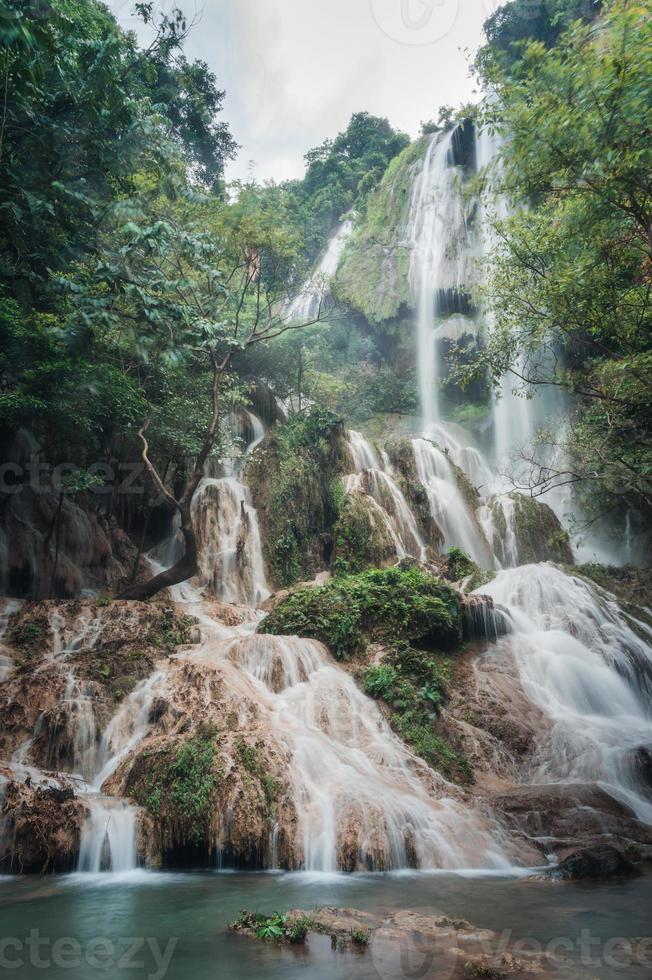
(310, 301)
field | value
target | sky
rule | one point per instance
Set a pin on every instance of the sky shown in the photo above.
(295, 70)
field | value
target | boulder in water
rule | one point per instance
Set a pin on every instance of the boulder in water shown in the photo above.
(601, 861)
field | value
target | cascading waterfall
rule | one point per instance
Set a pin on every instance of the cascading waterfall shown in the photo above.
(383, 496)
(436, 235)
(108, 840)
(357, 789)
(230, 554)
(226, 524)
(447, 505)
(590, 673)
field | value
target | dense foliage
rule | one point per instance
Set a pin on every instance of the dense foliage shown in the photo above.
(340, 172)
(295, 480)
(571, 280)
(381, 604)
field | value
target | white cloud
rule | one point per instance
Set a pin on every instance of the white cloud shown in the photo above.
(295, 70)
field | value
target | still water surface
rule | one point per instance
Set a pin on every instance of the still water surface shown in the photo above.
(102, 913)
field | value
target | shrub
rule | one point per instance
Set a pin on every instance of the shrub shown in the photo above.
(387, 605)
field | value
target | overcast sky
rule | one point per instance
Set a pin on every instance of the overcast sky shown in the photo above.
(295, 70)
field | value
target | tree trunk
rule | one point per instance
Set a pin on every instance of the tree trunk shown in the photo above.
(184, 569)
(57, 526)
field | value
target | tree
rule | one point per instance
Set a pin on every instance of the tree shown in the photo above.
(572, 278)
(195, 281)
(83, 113)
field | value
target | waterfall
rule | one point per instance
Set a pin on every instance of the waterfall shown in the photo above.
(228, 534)
(436, 235)
(589, 672)
(448, 508)
(502, 542)
(309, 302)
(385, 500)
(230, 548)
(360, 795)
(108, 840)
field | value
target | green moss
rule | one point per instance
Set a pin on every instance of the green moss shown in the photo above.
(249, 756)
(372, 276)
(294, 481)
(27, 636)
(177, 785)
(461, 568)
(360, 540)
(382, 604)
(539, 535)
(414, 684)
(171, 630)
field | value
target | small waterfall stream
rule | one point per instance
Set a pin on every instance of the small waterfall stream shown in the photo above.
(310, 301)
(374, 481)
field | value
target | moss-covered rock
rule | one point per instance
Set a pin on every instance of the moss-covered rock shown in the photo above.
(361, 539)
(372, 276)
(294, 477)
(538, 534)
(414, 684)
(384, 605)
(176, 785)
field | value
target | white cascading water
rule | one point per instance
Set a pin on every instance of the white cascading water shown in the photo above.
(384, 499)
(353, 781)
(589, 672)
(108, 840)
(226, 524)
(436, 230)
(309, 303)
(230, 552)
(447, 505)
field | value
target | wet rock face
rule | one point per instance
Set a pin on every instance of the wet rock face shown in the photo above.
(92, 552)
(533, 529)
(40, 827)
(602, 861)
(564, 815)
(72, 663)
(210, 776)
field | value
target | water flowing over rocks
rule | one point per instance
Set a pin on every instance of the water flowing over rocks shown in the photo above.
(425, 688)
